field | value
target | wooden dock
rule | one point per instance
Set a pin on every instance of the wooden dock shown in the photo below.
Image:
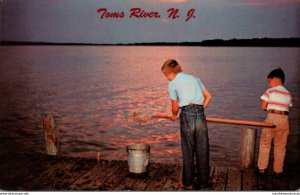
(40, 172)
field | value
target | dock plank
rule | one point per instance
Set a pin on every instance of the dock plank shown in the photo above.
(54, 171)
(60, 174)
(11, 162)
(24, 169)
(129, 179)
(264, 184)
(280, 184)
(211, 176)
(126, 183)
(163, 174)
(249, 180)
(115, 177)
(173, 182)
(218, 178)
(95, 176)
(72, 173)
(234, 179)
(143, 181)
(293, 177)
(39, 172)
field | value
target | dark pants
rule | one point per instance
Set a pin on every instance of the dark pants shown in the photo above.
(194, 145)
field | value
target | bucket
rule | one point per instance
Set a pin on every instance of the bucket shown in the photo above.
(138, 157)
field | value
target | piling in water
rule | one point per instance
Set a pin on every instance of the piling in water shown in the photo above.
(51, 133)
(247, 148)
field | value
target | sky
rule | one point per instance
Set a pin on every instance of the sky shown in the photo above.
(78, 21)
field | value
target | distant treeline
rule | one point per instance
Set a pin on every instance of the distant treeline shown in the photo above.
(256, 42)
(269, 42)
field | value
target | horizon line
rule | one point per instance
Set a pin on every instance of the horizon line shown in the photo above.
(290, 42)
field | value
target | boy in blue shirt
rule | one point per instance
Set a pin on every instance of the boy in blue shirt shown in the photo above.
(188, 93)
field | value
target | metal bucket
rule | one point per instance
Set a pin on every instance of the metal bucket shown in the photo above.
(138, 157)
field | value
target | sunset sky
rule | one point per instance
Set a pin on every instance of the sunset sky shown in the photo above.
(77, 21)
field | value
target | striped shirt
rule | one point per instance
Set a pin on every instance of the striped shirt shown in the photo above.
(278, 98)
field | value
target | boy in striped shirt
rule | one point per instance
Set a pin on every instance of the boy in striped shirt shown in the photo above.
(276, 100)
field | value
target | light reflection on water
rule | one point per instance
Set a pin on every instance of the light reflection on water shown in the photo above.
(91, 91)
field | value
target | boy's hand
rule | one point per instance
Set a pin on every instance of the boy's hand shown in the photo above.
(174, 118)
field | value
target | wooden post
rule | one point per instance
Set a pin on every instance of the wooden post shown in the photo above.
(51, 133)
(247, 148)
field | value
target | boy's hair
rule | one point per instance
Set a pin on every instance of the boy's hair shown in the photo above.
(278, 72)
(171, 66)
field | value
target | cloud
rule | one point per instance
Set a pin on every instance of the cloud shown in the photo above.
(266, 3)
(173, 1)
(159, 1)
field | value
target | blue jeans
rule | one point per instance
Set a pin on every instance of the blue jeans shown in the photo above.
(194, 145)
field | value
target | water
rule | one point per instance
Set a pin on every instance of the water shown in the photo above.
(92, 90)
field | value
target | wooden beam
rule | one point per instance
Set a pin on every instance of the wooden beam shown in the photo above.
(227, 121)
(240, 122)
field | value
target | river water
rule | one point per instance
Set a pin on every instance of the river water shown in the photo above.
(91, 90)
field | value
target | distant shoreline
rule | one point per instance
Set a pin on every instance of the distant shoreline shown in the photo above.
(255, 42)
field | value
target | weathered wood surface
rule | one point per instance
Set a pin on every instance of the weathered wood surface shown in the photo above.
(247, 147)
(40, 172)
(51, 133)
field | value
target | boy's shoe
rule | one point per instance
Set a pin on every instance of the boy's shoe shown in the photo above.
(202, 187)
(187, 188)
(262, 173)
(277, 175)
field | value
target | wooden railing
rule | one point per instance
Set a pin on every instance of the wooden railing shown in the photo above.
(247, 136)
